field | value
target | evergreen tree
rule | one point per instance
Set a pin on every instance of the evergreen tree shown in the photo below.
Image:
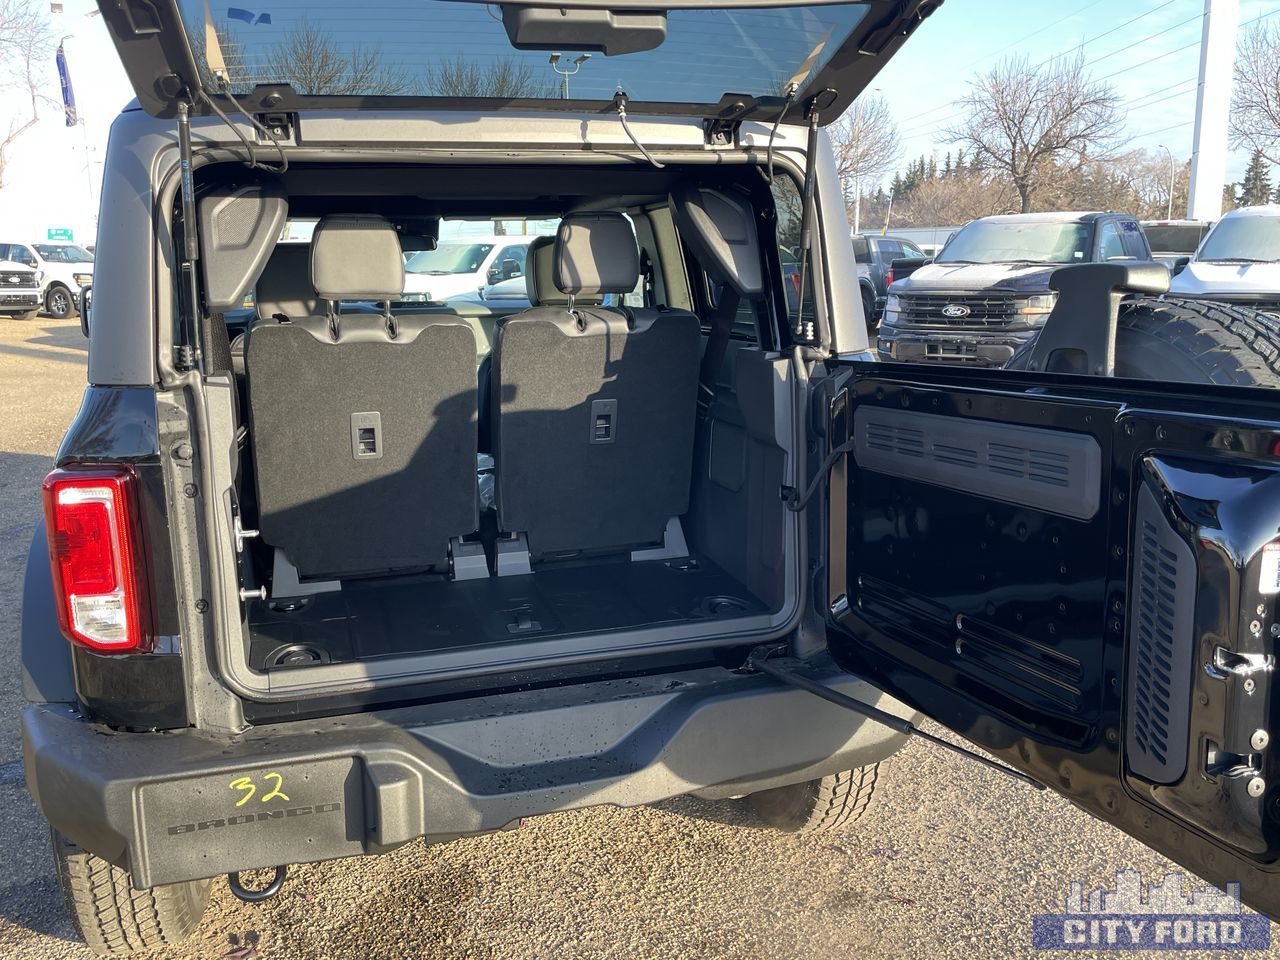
(946, 165)
(1256, 186)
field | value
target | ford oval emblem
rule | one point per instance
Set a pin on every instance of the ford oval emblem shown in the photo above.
(955, 311)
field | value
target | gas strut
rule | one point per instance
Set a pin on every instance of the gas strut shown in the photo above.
(758, 660)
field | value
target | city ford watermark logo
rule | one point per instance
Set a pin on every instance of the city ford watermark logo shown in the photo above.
(1158, 916)
(955, 310)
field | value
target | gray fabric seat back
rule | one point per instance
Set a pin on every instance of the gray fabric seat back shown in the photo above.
(595, 408)
(364, 437)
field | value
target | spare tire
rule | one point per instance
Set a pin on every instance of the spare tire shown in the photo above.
(1197, 341)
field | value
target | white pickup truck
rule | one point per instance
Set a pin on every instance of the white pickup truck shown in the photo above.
(1238, 261)
(19, 291)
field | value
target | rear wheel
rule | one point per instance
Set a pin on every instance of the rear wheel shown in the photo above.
(869, 310)
(116, 920)
(1198, 341)
(815, 806)
(59, 303)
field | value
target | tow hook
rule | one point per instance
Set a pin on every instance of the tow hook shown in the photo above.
(257, 896)
(771, 659)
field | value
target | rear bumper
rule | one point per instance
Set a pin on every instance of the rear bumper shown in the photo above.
(179, 805)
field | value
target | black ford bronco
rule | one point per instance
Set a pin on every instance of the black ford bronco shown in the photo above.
(346, 572)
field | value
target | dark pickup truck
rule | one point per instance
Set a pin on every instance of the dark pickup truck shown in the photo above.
(987, 292)
(875, 256)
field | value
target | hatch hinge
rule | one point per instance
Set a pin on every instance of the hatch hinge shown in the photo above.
(721, 131)
(278, 125)
(772, 660)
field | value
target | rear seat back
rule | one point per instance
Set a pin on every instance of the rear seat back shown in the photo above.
(595, 407)
(364, 433)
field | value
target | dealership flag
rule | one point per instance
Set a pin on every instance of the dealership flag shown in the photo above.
(68, 95)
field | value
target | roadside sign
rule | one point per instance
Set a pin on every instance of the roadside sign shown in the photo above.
(60, 233)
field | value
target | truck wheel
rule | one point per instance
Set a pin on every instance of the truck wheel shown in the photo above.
(815, 806)
(113, 918)
(869, 311)
(1198, 341)
(59, 303)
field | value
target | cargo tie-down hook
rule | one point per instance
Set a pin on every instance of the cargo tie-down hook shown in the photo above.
(620, 102)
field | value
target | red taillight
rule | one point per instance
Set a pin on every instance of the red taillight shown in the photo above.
(795, 283)
(888, 277)
(91, 523)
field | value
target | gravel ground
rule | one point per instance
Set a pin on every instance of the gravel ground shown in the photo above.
(952, 862)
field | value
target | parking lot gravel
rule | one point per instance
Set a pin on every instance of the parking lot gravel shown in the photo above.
(952, 862)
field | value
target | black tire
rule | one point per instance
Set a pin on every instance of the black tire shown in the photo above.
(113, 918)
(1198, 341)
(869, 311)
(816, 806)
(59, 303)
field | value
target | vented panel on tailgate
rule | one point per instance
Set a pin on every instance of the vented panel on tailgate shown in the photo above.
(1160, 645)
(1052, 470)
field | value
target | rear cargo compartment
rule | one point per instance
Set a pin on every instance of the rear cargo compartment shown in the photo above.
(428, 489)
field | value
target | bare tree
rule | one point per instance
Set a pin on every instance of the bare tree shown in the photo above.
(25, 40)
(314, 64)
(1255, 103)
(949, 201)
(866, 144)
(501, 77)
(1027, 120)
(309, 59)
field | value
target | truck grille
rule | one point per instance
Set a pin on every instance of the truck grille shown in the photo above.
(927, 311)
(17, 278)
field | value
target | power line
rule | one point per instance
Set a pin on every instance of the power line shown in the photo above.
(956, 114)
(1149, 60)
(1107, 33)
(1139, 43)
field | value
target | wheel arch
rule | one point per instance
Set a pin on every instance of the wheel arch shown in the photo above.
(46, 655)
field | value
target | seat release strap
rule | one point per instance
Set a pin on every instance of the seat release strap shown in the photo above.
(717, 344)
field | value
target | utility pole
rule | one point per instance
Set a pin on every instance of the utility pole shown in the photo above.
(1213, 106)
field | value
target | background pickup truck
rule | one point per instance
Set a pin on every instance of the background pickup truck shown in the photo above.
(987, 292)
(874, 255)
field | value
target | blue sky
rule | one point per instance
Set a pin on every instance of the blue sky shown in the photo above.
(1147, 49)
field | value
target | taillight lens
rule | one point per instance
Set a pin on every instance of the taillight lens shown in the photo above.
(888, 276)
(91, 520)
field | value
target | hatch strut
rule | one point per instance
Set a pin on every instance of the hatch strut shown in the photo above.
(780, 669)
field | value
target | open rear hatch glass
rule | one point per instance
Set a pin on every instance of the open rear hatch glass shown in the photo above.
(736, 59)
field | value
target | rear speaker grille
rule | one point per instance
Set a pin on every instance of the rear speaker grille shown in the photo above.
(1160, 642)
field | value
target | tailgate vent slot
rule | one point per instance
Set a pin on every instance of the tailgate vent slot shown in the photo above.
(1160, 646)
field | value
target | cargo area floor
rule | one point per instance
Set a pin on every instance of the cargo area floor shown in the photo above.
(401, 615)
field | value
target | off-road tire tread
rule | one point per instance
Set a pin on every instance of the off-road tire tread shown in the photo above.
(1230, 344)
(113, 918)
(818, 806)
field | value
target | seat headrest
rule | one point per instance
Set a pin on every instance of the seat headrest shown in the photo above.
(596, 253)
(540, 276)
(720, 229)
(356, 257)
(284, 288)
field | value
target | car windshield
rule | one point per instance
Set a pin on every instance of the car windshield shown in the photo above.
(1019, 241)
(449, 258)
(441, 48)
(1247, 238)
(63, 253)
